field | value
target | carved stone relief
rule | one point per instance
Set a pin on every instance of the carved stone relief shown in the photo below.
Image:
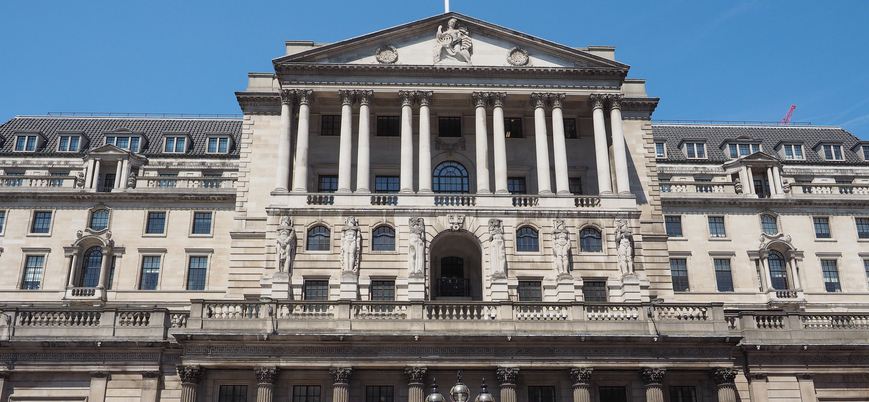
(386, 54)
(455, 42)
(518, 57)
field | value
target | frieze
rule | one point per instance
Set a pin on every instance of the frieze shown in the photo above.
(72, 357)
(809, 360)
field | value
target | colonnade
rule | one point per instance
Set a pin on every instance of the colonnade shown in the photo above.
(481, 100)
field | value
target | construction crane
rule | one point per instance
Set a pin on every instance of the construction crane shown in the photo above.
(787, 119)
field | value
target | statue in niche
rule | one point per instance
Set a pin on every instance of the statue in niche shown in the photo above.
(131, 181)
(497, 251)
(624, 244)
(286, 245)
(455, 41)
(737, 186)
(350, 243)
(561, 249)
(416, 249)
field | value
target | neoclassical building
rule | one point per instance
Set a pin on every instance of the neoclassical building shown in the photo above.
(443, 202)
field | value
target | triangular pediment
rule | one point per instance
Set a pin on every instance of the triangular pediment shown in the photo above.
(433, 42)
(110, 151)
(753, 159)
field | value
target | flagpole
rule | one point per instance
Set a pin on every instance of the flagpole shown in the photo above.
(446, 6)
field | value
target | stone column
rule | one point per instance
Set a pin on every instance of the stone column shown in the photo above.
(119, 173)
(96, 177)
(191, 376)
(764, 259)
(724, 379)
(758, 387)
(341, 383)
(406, 178)
(300, 168)
(507, 381)
(282, 175)
(481, 99)
(620, 154)
(265, 382)
(345, 146)
(150, 386)
(73, 262)
(125, 173)
(581, 379)
(4, 376)
(750, 184)
(363, 158)
(771, 179)
(499, 141)
(89, 173)
(776, 174)
(97, 392)
(807, 387)
(540, 143)
(601, 151)
(743, 178)
(104, 268)
(415, 383)
(654, 378)
(559, 146)
(425, 99)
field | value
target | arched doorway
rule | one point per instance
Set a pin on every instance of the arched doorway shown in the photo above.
(456, 267)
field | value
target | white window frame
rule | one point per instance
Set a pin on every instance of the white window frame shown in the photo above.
(33, 252)
(833, 149)
(793, 147)
(150, 252)
(174, 139)
(193, 223)
(129, 138)
(752, 148)
(218, 138)
(208, 253)
(693, 146)
(50, 225)
(37, 139)
(69, 140)
(663, 153)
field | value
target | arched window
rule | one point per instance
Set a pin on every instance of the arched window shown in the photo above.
(526, 240)
(452, 267)
(99, 219)
(769, 224)
(90, 267)
(590, 241)
(318, 239)
(450, 177)
(383, 239)
(778, 271)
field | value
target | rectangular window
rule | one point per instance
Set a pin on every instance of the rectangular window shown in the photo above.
(683, 394)
(14, 182)
(574, 185)
(175, 145)
(25, 143)
(449, 126)
(862, 228)
(866, 152)
(316, 290)
(833, 152)
(695, 150)
(679, 273)
(383, 290)
(306, 393)
(383, 393)
(386, 184)
(716, 226)
(33, 272)
(150, 272)
(196, 273)
(131, 143)
(232, 393)
(665, 185)
(541, 394)
(57, 182)
(112, 273)
(327, 183)
(673, 225)
(330, 125)
(612, 394)
(41, 222)
(530, 291)
(68, 143)
(831, 275)
(516, 185)
(822, 228)
(388, 126)
(594, 291)
(156, 223)
(162, 183)
(660, 151)
(201, 223)
(793, 151)
(570, 131)
(218, 145)
(2, 220)
(513, 127)
(723, 276)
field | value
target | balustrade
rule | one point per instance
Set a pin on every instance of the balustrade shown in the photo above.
(525, 201)
(540, 312)
(455, 200)
(187, 182)
(612, 313)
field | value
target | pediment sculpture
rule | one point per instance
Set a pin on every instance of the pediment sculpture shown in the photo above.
(455, 41)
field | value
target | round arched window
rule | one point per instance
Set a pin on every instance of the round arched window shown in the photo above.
(99, 219)
(91, 264)
(383, 239)
(778, 270)
(450, 177)
(527, 240)
(590, 241)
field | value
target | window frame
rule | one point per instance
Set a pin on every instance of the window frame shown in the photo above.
(818, 223)
(376, 243)
(4, 214)
(571, 128)
(785, 274)
(218, 140)
(667, 225)
(860, 222)
(27, 137)
(148, 224)
(333, 127)
(193, 224)
(527, 246)
(33, 221)
(389, 182)
(185, 144)
(188, 274)
(317, 296)
(92, 215)
(69, 139)
(736, 150)
(531, 289)
(451, 125)
(378, 396)
(830, 274)
(723, 274)
(139, 141)
(591, 289)
(140, 283)
(717, 229)
(793, 149)
(574, 185)
(441, 182)
(831, 152)
(378, 285)
(388, 126)
(662, 152)
(233, 397)
(299, 397)
(309, 235)
(685, 278)
(25, 267)
(331, 179)
(694, 146)
(590, 246)
(514, 183)
(775, 223)
(541, 395)
(511, 123)
(693, 397)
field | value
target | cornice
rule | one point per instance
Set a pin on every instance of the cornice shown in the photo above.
(647, 105)
(267, 103)
(763, 202)
(448, 71)
(119, 197)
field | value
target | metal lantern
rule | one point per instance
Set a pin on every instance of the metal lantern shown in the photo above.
(484, 395)
(460, 391)
(434, 396)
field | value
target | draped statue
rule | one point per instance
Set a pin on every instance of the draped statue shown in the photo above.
(416, 249)
(286, 245)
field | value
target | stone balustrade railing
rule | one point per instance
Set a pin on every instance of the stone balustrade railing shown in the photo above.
(66, 322)
(462, 201)
(832, 189)
(202, 183)
(698, 187)
(59, 183)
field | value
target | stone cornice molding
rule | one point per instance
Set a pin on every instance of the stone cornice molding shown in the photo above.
(340, 375)
(293, 71)
(653, 375)
(266, 375)
(415, 375)
(506, 375)
(191, 374)
(645, 105)
(126, 196)
(725, 375)
(580, 375)
(740, 201)
(268, 102)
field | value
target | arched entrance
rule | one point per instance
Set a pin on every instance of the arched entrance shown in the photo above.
(456, 267)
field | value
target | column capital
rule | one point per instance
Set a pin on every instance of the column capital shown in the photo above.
(288, 96)
(725, 375)
(415, 375)
(191, 374)
(497, 98)
(306, 96)
(348, 96)
(506, 375)
(615, 101)
(266, 374)
(538, 99)
(580, 375)
(596, 100)
(481, 99)
(556, 100)
(406, 98)
(365, 96)
(341, 375)
(653, 375)
(425, 98)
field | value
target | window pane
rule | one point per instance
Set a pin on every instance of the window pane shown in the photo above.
(232, 393)
(202, 223)
(150, 272)
(450, 177)
(388, 126)
(575, 185)
(769, 224)
(659, 150)
(516, 185)
(594, 291)
(41, 222)
(526, 240)
(449, 126)
(316, 290)
(778, 270)
(156, 223)
(170, 145)
(673, 225)
(2, 220)
(733, 152)
(716, 226)
(831, 275)
(100, 220)
(679, 273)
(383, 239)
(318, 239)
(223, 145)
(530, 291)
(306, 393)
(570, 128)
(822, 227)
(386, 184)
(212, 145)
(93, 261)
(379, 394)
(723, 275)
(330, 125)
(327, 184)
(73, 143)
(862, 228)
(196, 273)
(744, 149)
(33, 272)
(683, 394)
(590, 241)
(613, 394)
(383, 290)
(513, 127)
(541, 394)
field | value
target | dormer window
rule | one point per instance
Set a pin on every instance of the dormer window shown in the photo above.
(26, 143)
(793, 151)
(218, 145)
(743, 149)
(130, 142)
(175, 144)
(695, 150)
(832, 152)
(660, 150)
(69, 143)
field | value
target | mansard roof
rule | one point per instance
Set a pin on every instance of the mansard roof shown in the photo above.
(770, 137)
(95, 129)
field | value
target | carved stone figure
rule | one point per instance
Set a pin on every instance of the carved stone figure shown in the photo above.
(561, 249)
(497, 252)
(624, 242)
(456, 222)
(131, 181)
(416, 249)
(737, 186)
(79, 180)
(455, 41)
(350, 246)
(286, 245)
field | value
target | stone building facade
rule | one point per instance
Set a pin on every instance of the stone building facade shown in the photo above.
(445, 196)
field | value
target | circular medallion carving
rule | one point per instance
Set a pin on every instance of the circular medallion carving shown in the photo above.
(386, 54)
(517, 57)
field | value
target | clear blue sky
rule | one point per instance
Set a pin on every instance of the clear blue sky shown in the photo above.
(729, 60)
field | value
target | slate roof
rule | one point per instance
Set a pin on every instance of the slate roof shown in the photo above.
(770, 138)
(94, 129)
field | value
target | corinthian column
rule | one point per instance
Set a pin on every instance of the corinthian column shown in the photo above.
(581, 379)
(482, 142)
(282, 176)
(300, 169)
(425, 98)
(654, 378)
(341, 383)
(499, 141)
(724, 379)
(559, 147)
(345, 146)
(601, 153)
(507, 381)
(621, 159)
(265, 379)
(540, 143)
(406, 178)
(191, 376)
(415, 383)
(363, 158)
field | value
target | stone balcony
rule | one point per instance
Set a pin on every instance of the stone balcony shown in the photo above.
(144, 184)
(453, 201)
(796, 191)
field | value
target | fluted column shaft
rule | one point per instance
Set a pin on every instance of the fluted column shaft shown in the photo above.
(188, 392)
(581, 393)
(282, 175)
(266, 377)
(415, 383)
(601, 151)
(341, 383)
(363, 157)
(499, 141)
(482, 142)
(96, 177)
(619, 152)
(406, 177)
(541, 143)
(119, 173)
(264, 392)
(581, 379)
(776, 175)
(654, 379)
(559, 146)
(724, 380)
(191, 376)
(345, 145)
(425, 173)
(507, 382)
(300, 170)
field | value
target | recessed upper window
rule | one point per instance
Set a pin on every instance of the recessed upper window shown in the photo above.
(383, 239)
(516, 185)
(130, 142)
(26, 143)
(527, 240)
(590, 241)
(660, 150)
(450, 177)
(832, 152)
(388, 126)
(175, 145)
(318, 239)
(695, 150)
(570, 131)
(449, 126)
(513, 127)
(69, 143)
(99, 219)
(742, 149)
(865, 152)
(330, 125)
(218, 145)
(793, 151)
